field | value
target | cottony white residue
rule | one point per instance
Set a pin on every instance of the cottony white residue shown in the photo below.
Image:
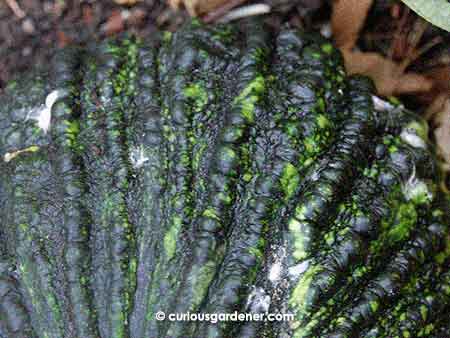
(409, 135)
(137, 157)
(296, 270)
(258, 301)
(43, 114)
(415, 189)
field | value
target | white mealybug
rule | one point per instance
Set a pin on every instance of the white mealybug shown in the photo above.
(296, 270)
(276, 268)
(137, 157)
(258, 301)
(43, 114)
(410, 136)
(414, 134)
(415, 189)
(275, 272)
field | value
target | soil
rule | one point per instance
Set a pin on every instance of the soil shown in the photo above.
(47, 25)
(31, 33)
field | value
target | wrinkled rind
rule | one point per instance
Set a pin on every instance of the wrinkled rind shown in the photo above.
(213, 170)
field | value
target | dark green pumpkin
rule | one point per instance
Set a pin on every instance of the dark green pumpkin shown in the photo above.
(211, 171)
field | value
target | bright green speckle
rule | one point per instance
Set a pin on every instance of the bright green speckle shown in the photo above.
(203, 278)
(300, 298)
(211, 213)
(247, 177)
(290, 179)
(327, 48)
(374, 306)
(170, 238)
(323, 121)
(250, 96)
(405, 220)
(299, 239)
(198, 94)
(167, 36)
(424, 312)
(256, 252)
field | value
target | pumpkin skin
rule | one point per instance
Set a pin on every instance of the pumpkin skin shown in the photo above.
(216, 170)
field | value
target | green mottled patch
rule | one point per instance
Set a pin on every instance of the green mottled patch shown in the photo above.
(248, 98)
(290, 179)
(299, 239)
(323, 121)
(167, 36)
(198, 94)
(170, 238)
(374, 305)
(211, 213)
(256, 252)
(424, 312)
(405, 220)
(320, 104)
(300, 212)
(299, 298)
(442, 256)
(371, 172)
(202, 280)
(327, 48)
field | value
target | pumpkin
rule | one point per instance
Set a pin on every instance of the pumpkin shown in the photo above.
(212, 171)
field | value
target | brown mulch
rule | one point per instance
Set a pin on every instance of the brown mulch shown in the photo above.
(49, 24)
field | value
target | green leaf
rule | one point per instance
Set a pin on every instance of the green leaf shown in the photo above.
(435, 11)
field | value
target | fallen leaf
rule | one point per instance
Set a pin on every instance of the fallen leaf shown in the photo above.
(197, 7)
(390, 77)
(114, 24)
(62, 39)
(126, 2)
(442, 131)
(347, 20)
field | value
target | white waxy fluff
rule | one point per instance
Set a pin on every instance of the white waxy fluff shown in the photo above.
(275, 272)
(276, 268)
(43, 114)
(258, 301)
(414, 188)
(137, 157)
(409, 135)
(296, 270)
(381, 105)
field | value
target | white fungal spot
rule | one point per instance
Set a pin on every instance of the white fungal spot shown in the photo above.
(245, 11)
(410, 136)
(381, 105)
(276, 268)
(275, 272)
(43, 114)
(326, 31)
(416, 190)
(8, 157)
(296, 270)
(258, 301)
(137, 157)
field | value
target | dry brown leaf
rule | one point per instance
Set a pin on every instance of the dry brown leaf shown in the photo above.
(347, 20)
(126, 2)
(115, 23)
(442, 131)
(389, 76)
(197, 7)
